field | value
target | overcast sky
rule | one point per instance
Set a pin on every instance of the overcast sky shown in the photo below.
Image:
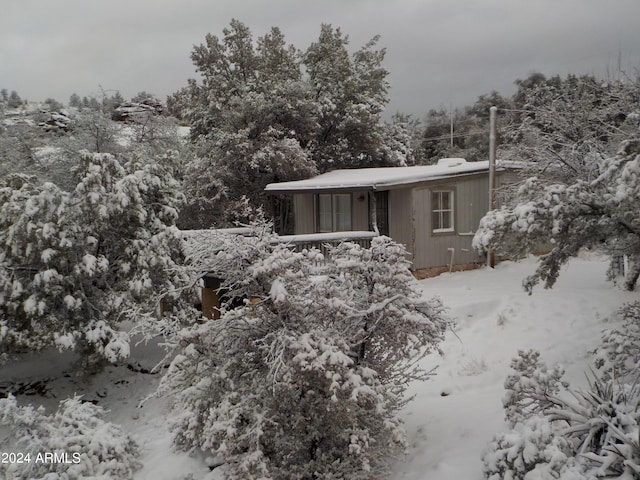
(439, 52)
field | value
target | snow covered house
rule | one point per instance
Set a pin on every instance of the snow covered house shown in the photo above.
(433, 210)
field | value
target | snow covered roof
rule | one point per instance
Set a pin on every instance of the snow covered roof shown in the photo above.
(379, 178)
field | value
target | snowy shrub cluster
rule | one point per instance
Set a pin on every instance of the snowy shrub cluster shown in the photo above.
(531, 445)
(619, 355)
(305, 380)
(74, 264)
(84, 444)
(529, 386)
(569, 435)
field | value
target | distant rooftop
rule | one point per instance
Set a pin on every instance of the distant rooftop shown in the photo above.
(379, 178)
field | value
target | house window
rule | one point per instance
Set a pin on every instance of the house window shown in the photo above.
(442, 211)
(333, 212)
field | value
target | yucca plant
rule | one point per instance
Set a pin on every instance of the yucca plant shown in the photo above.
(603, 423)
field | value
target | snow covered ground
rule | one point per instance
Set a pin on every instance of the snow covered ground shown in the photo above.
(495, 318)
(453, 415)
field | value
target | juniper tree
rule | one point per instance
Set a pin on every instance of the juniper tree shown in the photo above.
(305, 380)
(250, 120)
(265, 111)
(75, 264)
(600, 214)
(579, 192)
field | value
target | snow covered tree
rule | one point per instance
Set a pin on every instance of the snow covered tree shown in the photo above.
(250, 120)
(14, 100)
(110, 102)
(305, 380)
(399, 141)
(74, 265)
(144, 96)
(75, 101)
(567, 126)
(27, 148)
(91, 103)
(436, 141)
(52, 105)
(266, 112)
(351, 93)
(94, 132)
(601, 214)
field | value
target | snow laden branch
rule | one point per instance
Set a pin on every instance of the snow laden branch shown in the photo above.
(75, 264)
(304, 380)
(602, 213)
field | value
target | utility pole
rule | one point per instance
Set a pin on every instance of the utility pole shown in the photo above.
(491, 258)
(451, 122)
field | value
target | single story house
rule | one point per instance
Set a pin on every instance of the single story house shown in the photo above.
(434, 210)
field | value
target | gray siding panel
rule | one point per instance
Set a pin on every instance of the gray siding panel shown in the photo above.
(359, 211)
(470, 203)
(422, 226)
(473, 195)
(401, 217)
(410, 218)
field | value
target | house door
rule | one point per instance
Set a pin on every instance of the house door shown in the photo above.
(382, 212)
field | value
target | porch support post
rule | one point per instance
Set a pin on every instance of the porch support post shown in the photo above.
(373, 212)
(210, 298)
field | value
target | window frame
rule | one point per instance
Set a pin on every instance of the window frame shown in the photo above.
(335, 214)
(441, 211)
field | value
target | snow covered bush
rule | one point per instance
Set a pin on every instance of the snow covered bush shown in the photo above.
(305, 380)
(83, 444)
(532, 444)
(529, 386)
(619, 355)
(600, 213)
(74, 265)
(579, 434)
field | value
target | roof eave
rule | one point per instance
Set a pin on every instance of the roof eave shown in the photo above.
(375, 186)
(321, 189)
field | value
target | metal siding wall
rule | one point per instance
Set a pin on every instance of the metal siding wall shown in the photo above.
(422, 227)
(471, 201)
(410, 219)
(359, 211)
(401, 217)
